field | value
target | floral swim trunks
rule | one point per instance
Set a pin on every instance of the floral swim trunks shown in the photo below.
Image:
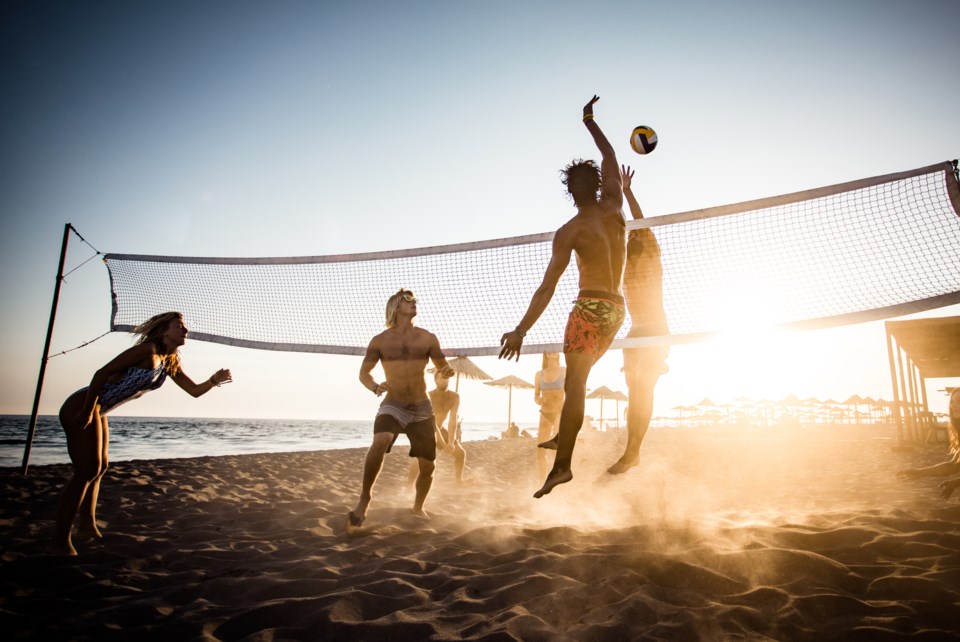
(593, 323)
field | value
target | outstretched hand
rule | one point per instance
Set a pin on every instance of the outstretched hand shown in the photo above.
(626, 177)
(510, 344)
(588, 108)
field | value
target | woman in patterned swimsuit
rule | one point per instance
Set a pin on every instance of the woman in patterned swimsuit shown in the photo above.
(135, 371)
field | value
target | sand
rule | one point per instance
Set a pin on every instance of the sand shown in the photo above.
(717, 535)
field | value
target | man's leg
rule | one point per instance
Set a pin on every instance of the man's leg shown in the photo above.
(412, 474)
(640, 388)
(571, 419)
(424, 481)
(371, 470)
(459, 461)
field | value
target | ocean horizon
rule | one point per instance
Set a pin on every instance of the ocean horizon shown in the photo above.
(174, 437)
(138, 438)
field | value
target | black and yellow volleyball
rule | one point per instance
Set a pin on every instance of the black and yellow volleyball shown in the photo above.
(643, 140)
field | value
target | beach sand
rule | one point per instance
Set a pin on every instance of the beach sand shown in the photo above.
(717, 535)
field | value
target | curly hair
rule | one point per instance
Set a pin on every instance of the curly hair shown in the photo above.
(152, 330)
(583, 181)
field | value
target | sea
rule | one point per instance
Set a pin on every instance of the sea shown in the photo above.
(174, 437)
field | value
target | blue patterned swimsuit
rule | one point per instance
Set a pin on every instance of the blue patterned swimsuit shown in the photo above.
(134, 383)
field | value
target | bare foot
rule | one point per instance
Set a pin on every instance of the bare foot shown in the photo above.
(62, 549)
(622, 466)
(353, 523)
(550, 444)
(419, 512)
(554, 479)
(88, 533)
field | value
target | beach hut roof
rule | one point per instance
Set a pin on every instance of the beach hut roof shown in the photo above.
(933, 345)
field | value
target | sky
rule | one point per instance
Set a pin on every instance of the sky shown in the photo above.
(312, 128)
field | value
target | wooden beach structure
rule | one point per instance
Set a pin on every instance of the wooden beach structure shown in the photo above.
(919, 350)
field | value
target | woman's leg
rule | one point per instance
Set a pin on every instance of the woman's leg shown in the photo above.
(87, 528)
(544, 433)
(84, 444)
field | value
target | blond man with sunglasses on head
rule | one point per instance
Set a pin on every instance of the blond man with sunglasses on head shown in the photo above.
(403, 351)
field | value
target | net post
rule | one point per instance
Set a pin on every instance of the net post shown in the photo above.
(893, 383)
(46, 352)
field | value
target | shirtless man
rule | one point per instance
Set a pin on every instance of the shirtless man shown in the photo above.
(597, 234)
(446, 405)
(403, 350)
(643, 289)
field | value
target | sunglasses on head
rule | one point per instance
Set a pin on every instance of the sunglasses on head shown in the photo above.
(409, 298)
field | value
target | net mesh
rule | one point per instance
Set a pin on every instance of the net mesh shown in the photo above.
(865, 250)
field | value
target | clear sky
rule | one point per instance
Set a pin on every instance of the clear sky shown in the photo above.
(310, 128)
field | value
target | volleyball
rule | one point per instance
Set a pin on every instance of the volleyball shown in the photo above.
(643, 139)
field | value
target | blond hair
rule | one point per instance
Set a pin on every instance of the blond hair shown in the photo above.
(152, 330)
(543, 361)
(393, 304)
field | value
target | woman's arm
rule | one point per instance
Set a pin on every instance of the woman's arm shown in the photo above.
(197, 389)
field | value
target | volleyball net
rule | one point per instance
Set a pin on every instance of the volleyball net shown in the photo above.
(859, 251)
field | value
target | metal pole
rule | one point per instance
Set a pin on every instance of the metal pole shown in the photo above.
(893, 385)
(46, 352)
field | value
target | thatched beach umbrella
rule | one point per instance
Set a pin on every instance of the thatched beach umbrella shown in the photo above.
(463, 366)
(510, 382)
(855, 401)
(602, 393)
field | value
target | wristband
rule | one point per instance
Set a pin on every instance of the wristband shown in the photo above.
(588, 117)
(214, 382)
(520, 332)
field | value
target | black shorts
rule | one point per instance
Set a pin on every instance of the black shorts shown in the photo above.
(422, 435)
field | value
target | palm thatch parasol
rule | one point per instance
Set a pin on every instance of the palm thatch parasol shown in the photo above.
(602, 393)
(509, 382)
(463, 366)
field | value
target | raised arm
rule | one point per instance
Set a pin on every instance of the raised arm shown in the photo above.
(608, 163)
(511, 342)
(647, 237)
